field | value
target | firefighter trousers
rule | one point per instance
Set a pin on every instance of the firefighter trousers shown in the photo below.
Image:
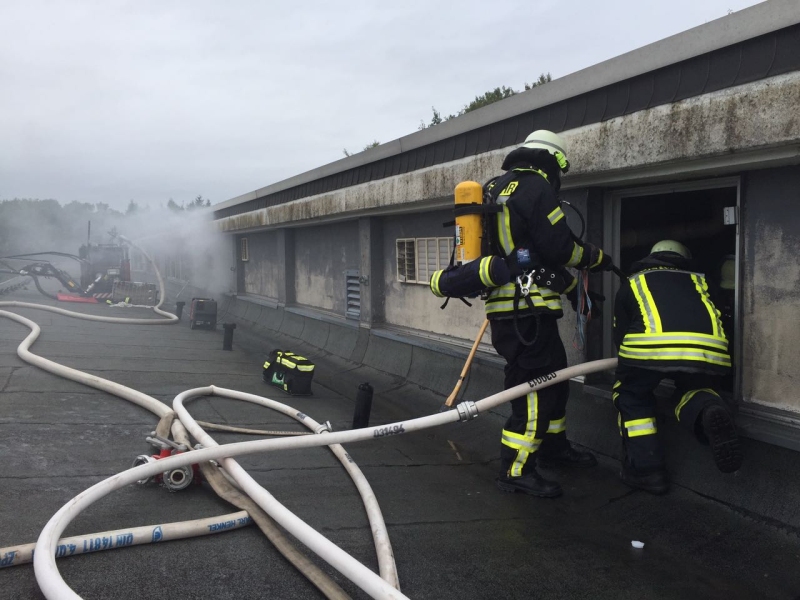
(634, 399)
(537, 419)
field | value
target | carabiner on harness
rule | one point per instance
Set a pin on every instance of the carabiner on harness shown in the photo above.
(525, 282)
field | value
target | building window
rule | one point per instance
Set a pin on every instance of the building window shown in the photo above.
(245, 251)
(418, 258)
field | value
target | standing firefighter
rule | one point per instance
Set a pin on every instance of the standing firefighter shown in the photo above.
(532, 231)
(666, 325)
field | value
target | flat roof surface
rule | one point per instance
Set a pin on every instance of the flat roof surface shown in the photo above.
(454, 534)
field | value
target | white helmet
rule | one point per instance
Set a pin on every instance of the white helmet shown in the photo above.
(672, 246)
(554, 144)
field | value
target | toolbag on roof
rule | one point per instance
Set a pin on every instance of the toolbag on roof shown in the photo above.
(290, 372)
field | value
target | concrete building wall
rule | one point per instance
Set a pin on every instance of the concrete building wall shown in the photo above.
(771, 292)
(261, 272)
(321, 257)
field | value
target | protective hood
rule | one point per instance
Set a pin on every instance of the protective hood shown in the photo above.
(668, 260)
(534, 157)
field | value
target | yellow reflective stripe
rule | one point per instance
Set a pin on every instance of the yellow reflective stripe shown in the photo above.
(558, 425)
(639, 427)
(532, 170)
(702, 289)
(305, 368)
(555, 216)
(616, 385)
(577, 255)
(435, 284)
(571, 286)
(529, 436)
(675, 337)
(647, 306)
(504, 230)
(486, 278)
(687, 397)
(675, 354)
(599, 259)
(266, 365)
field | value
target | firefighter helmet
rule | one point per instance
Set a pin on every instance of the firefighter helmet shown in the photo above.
(672, 246)
(727, 275)
(554, 144)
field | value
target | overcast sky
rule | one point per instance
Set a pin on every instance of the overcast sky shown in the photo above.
(111, 101)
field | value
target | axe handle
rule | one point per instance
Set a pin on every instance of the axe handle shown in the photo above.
(452, 397)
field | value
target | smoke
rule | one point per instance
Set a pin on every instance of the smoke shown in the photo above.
(184, 243)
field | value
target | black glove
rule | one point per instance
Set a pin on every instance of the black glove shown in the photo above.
(598, 260)
(596, 298)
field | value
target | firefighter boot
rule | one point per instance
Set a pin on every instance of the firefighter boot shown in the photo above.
(720, 430)
(655, 482)
(557, 451)
(530, 483)
(566, 457)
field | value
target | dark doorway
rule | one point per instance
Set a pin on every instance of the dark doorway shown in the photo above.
(696, 219)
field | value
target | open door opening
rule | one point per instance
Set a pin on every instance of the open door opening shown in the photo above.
(696, 219)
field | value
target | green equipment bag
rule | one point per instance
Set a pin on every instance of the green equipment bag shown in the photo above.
(290, 372)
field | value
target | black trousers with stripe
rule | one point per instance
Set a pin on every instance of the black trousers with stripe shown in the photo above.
(634, 399)
(532, 415)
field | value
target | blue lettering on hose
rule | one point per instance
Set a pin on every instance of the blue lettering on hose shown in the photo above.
(8, 559)
(158, 535)
(125, 539)
(221, 526)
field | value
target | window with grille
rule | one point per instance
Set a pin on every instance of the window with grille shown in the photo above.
(245, 251)
(418, 258)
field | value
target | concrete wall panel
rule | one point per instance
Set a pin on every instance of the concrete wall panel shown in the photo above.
(771, 288)
(322, 255)
(261, 271)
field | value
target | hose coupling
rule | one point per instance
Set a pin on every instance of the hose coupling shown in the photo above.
(177, 479)
(143, 459)
(325, 427)
(467, 411)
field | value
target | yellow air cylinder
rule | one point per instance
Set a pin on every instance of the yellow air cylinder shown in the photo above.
(468, 227)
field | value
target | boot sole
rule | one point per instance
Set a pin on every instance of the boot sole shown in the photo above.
(511, 488)
(723, 439)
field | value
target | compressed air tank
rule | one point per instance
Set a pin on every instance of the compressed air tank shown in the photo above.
(468, 227)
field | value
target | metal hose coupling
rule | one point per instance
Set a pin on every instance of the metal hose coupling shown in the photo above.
(325, 427)
(143, 459)
(467, 411)
(177, 479)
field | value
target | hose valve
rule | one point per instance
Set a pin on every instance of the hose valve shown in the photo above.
(467, 411)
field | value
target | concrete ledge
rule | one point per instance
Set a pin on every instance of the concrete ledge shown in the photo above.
(433, 370)
(341, 341)
(315, 333)
(388, 356)
(292, 324)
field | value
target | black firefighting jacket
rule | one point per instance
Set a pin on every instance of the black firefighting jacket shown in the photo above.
(664, 319)
(532, 218)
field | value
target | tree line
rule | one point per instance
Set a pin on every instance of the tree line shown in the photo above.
(485, 99)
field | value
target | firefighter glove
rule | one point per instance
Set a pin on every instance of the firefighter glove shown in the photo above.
(599, 260)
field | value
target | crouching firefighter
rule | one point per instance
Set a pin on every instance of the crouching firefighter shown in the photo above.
(533, 236)
(665, 325)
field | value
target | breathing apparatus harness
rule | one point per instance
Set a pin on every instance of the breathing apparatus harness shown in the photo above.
(477, 268)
